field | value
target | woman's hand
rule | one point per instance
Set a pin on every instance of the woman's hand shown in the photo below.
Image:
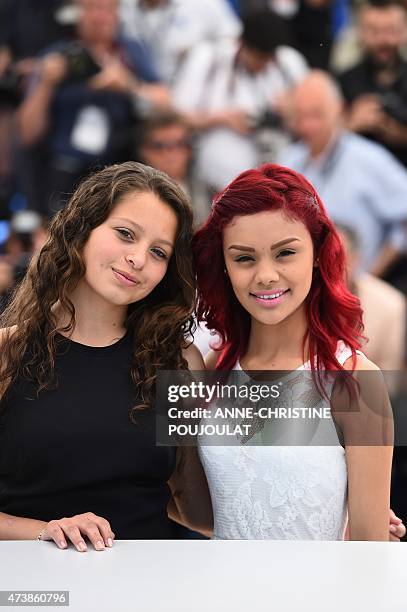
(397, 528)
(95, 528)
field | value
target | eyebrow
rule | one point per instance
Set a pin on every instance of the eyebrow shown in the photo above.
(240, 247)
(142, 230)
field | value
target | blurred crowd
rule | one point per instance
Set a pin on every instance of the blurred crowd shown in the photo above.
(203, 89)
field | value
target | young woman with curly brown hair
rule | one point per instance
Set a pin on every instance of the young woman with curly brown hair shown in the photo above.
(106, 303)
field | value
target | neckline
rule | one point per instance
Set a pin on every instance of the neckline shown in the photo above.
(78, 346)
(341, 355)
(303, 366)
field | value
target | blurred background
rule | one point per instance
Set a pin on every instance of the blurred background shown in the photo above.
(203, 89)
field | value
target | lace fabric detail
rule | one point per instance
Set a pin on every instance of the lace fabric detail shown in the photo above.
(279, 492)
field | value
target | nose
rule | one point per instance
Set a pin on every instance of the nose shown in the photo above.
(266, 274)
(137, 257)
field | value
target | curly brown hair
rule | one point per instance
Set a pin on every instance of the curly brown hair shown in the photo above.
(160, 322)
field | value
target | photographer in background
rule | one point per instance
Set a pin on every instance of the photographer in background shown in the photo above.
(26, 28)
(224, 90)
(376, 88)
(81, 105)
(165, 142)
(361, 184)
(171, 28)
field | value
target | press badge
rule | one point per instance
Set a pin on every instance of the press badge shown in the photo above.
(91, 130)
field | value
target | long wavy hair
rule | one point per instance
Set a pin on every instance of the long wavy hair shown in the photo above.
(332, 312)
(160, 322)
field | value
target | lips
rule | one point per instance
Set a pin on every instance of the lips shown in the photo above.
(267, 295)
(270, 298)
(125, 277)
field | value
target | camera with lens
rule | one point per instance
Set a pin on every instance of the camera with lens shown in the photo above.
(80, 64)
(266, 120)
(395, 106)
(10, 88)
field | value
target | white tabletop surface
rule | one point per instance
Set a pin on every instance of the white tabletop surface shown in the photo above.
(214, 576)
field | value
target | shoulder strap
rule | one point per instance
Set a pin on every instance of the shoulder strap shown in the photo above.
(343, 352)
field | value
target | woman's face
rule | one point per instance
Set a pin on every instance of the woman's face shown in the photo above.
(269, 259)
(128, 255)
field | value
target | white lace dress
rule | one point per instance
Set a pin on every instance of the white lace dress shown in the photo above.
(278, 492)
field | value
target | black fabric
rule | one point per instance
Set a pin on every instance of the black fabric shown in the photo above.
(361, 79)
(74, 449)
(312, 33)
(27, 26)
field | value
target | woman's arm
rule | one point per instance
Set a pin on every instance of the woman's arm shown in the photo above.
(211, 360)
(16, 527)
(74, 529)
(63, 530)
(368, 432)
(19, 528)
(369, 469)
(191, 502)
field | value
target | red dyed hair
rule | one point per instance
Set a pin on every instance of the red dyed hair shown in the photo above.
(333, 313)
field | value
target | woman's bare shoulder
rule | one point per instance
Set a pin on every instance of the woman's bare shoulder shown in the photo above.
(211, 360)
(194, 357)
(362, 363)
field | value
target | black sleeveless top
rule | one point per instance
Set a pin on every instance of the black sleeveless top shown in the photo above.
(74, 449)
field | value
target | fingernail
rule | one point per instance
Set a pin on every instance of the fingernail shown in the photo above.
(82, 546)
(110, 542)
(99, 545)
(392, 528)
(62, 544)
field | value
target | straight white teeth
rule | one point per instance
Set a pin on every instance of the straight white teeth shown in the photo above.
(273, 296)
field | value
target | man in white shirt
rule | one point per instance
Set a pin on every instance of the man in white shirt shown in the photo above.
(361, 184)
(170, 28)
(225, 88)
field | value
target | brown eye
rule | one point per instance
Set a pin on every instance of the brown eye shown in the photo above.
(243, 258)
(286, 253)
(159, 253)
(125, 234)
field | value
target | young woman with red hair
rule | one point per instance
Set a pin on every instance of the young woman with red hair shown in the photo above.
(275, 293)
